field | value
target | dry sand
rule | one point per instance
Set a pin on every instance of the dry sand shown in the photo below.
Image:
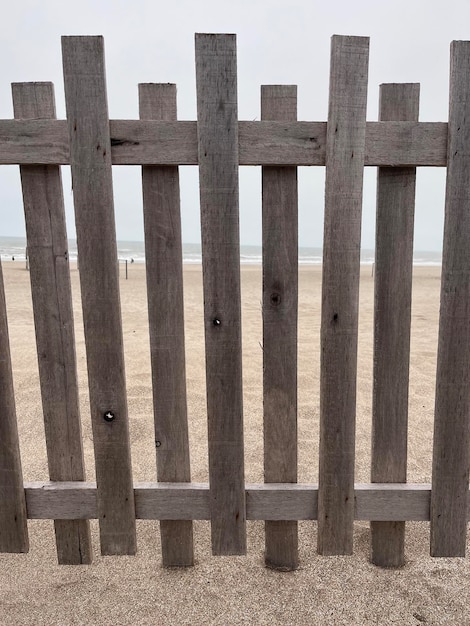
(231, 590)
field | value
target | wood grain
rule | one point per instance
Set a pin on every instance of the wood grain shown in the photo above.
(13, 517)
(267, 501)
(216, 82)
(34, 142)
(164, 269)
(451, 452)
(406, 143)
(280, 312)
(90, 155)
(340, 291)
(53, 319)
(392, 321)
(148, 142)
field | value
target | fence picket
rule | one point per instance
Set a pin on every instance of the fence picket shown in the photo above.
(280, 295)
(393, 277)
(164, 267)
(90, 157)
(53, 319)
(451, 453)
(13, 516)
(340, 291)
(216, 83)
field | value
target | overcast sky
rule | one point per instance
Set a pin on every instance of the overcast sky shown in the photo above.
(278, 42)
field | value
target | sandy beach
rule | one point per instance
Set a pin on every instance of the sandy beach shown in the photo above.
(230, 590)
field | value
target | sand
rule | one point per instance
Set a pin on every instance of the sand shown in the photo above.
(230, 590)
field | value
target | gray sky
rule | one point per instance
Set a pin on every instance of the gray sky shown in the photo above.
(278, 42)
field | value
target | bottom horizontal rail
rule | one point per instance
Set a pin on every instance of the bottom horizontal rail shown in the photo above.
(380, 502)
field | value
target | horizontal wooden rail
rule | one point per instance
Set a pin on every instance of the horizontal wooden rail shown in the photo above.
(269, 501)
(149, 142)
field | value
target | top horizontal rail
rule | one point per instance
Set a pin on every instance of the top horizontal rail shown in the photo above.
(143, 142)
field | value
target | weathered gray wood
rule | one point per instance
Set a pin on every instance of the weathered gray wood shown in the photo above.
(184, 501)
(304, 143)
(34, 142)
(153, 142)
(90, 155)
(406, 144)
(53, 318)
(288, 142)
(451, 453)
(216, 81)
(61, 500)
(393, 274)
(164, 266)
(144, 142)
(281, 503)
(280, 296)
(13, 524)
(268, 501)
(340, 291)
(387, 502)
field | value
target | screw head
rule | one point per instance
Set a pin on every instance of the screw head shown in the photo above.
(109, 416)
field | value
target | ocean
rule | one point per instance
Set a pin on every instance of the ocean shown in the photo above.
(15, 248)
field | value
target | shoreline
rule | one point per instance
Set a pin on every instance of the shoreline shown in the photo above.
(73, 264)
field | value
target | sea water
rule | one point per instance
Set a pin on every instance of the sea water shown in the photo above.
(14, 248)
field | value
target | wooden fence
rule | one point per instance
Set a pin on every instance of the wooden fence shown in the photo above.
(218, 143)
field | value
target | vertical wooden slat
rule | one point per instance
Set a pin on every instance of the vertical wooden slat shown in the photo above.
(216, 80)
(280, 298)
(13, 519)
(90, 158)
(451, 455)
(393, 274)
(164, 266)
(53, 319)
(340, 289)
